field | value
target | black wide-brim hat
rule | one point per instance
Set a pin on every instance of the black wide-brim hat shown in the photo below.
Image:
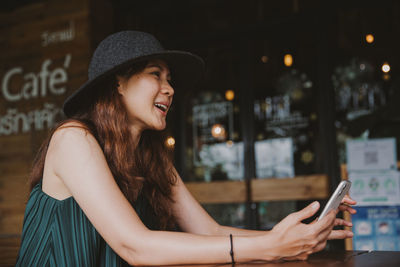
(124, 49)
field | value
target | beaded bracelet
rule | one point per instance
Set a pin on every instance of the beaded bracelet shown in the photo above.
(231, 252)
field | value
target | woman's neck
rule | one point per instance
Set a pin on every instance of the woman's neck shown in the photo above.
(136, 134)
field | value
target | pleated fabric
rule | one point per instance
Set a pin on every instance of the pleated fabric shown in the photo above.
(58, 233)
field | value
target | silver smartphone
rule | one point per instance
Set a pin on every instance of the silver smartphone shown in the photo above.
(341, 190)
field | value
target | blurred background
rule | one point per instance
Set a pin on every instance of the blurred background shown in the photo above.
(287, 83)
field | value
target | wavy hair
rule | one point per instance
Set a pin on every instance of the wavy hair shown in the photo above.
(146, 169)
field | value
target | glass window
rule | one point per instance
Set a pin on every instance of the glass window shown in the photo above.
(214, 147)
(365, 77)
(285, 111)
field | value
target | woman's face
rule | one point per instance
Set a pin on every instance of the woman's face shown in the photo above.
(147, 96)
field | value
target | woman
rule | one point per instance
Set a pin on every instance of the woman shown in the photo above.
(105, 192)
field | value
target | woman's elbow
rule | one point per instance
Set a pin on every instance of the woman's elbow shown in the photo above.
(132, 248)
(131, 256)
(137, 255)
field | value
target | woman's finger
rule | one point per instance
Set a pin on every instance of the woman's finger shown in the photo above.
(348, 200)
(302, 256)
(320, 246)
(336, 234)
(323, 236)
(341, 222)
(326, 222)
(340, 234)
(328, 226)
(307, 212)
(349, 209)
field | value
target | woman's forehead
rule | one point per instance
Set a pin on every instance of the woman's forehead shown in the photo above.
(158, 63)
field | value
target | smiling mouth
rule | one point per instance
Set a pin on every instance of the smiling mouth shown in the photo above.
(162, 107)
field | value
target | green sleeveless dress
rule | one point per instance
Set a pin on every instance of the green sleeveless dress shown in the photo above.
(58, 233)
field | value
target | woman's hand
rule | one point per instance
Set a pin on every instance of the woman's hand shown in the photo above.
(344, 206)
(295, 240)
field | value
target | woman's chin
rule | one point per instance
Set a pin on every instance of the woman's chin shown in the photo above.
(159, 127)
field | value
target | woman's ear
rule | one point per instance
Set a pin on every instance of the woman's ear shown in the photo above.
(120, 85)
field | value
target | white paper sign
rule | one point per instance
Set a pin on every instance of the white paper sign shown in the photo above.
(371, 154)
(274, 158)
(375, 188)
(228, 156)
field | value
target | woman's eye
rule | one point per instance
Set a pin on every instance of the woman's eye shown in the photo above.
(156, 73)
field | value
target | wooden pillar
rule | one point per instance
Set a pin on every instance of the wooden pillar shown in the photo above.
(246, 94)
(327, 161)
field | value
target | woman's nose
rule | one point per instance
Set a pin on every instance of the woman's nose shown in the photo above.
(167, 89)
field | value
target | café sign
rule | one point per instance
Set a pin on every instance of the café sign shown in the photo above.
(35, 84)
(48, 81)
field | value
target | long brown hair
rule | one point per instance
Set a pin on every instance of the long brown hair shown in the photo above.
(107, 120)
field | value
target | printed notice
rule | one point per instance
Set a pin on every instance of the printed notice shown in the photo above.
(376, 228)
(375, 188)
(372, 154)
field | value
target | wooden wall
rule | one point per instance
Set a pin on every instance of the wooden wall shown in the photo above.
(45, 53)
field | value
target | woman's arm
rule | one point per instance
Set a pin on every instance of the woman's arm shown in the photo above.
(192, 218)
(77, 159)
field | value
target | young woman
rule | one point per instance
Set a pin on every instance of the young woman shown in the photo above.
(105, 192)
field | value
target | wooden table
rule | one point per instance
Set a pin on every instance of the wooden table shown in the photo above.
(323, 259)
(331, 259)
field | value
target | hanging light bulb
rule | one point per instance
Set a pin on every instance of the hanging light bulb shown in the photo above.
(369, 38)
(170, 142)
(386, 77)
(288, 60)
(386, 67)
(264, 59)
(218, 131)
(229, 95)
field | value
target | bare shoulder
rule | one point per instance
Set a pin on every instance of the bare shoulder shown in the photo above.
(72, 137)
(71, 131)
(72, 146)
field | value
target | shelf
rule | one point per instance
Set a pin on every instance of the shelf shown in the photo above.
(218, 192)
(306, 187)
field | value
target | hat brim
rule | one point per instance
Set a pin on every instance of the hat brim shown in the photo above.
(186, 70)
